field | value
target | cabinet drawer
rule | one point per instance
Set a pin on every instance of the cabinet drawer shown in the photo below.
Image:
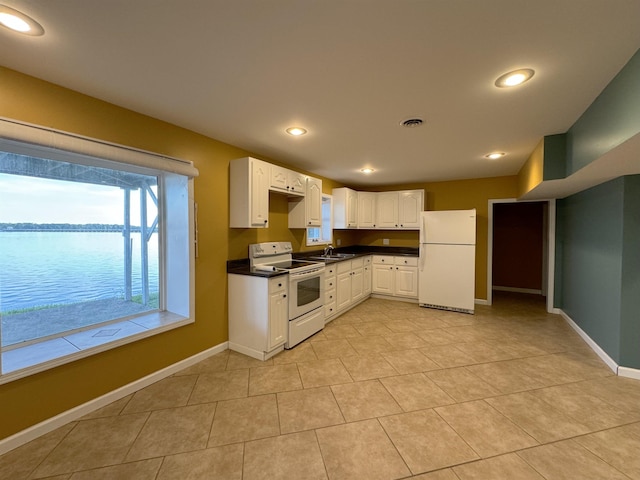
(278, 284)
(330, 283)
(408, 261)
(329, 296)
(329, 309)
(344, 266)
(383, 259)
(330, 271)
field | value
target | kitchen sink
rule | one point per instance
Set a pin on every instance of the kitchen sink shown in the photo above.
(333, 256)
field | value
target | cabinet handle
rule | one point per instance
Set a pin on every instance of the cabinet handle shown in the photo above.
(265, 221)
(284, 296)
(279, 284)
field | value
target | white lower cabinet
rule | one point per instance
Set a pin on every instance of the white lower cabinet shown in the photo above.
(348, 287)
(258, 315)
(395, 276)
(330, 299)
(366, 276)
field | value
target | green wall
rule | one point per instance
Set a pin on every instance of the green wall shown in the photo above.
(600, 262)
(598, 230)
(611, 119)
(592, 223)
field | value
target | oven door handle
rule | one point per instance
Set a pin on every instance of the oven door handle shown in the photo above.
(309, 273)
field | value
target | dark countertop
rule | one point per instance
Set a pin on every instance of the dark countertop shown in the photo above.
(242, 267)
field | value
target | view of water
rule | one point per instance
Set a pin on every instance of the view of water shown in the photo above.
(51, 268)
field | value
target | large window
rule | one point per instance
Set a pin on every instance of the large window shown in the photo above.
(93, 253)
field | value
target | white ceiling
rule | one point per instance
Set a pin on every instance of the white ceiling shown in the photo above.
(241, 71)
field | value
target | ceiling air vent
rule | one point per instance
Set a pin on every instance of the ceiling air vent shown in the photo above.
(411, 122)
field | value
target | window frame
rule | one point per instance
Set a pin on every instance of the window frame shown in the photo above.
(176, 243)
(310, 241)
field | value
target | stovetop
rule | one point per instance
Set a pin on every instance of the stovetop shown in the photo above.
(293, 264)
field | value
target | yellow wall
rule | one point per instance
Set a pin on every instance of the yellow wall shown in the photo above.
(531, 173)
(30, 400)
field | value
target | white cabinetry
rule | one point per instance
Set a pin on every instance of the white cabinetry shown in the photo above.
(345, 208)
(258, 315)
(350, 283)
(343, 285)
(307, 211)
(286, 181)
(395, 276)
(367, 209)
(366, 276)
(249, 193)
(330, 278)
(387, 210)
(410, 204)
(400, 209)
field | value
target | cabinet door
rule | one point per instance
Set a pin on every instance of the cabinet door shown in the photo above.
(383, 276)
(313, 201)
(387, 210)
(278, 321)
(406, 282)
(297, 182)
(343, 291)
(357, 285)
(366, 280)
(366, 209)
(352, 209)
(259, 193)
(278, 178)
(411, 203)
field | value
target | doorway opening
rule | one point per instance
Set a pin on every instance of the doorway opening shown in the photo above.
(521, 250)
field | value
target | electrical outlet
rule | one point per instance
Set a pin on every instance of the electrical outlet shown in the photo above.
(338, 242)
(385, 241)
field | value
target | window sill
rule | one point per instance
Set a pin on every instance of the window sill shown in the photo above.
(23, 361)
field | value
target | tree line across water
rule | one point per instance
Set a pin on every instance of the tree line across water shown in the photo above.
(63, 227)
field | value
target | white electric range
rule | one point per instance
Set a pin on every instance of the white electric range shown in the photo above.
(306, 287)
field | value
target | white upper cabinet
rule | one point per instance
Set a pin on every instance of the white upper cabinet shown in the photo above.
(345, 208)
(387, 210)
(306, 212)
(410, 204)
(313, 200)
(248, 193)
(287, 181)
(380, 210)
(367, 209)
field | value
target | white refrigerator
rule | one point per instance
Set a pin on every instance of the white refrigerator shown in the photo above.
(447, 260)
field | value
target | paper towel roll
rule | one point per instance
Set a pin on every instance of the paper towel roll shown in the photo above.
(265, 268)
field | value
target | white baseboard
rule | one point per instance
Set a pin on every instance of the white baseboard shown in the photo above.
(629, 372)
(517, 290)
(46, 426)
(481, 301)
(594, 346)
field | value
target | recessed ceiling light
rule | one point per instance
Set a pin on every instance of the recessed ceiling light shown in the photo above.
(296, 131)
(494, 155)
(367, 170)
(516, 77)
(19, 22)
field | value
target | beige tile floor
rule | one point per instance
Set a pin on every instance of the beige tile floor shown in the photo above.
(387, 391)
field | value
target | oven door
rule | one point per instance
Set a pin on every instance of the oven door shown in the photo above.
(306, 291)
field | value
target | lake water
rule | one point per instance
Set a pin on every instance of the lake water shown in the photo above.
(51, 268)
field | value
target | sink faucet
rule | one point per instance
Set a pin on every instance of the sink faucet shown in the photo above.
(328, 250)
